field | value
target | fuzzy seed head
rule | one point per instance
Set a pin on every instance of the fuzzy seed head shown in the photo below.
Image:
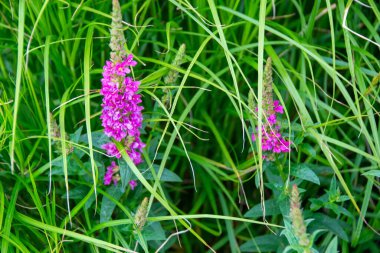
(297, 219)
(141, 214)
(117, 36)
(178, 60)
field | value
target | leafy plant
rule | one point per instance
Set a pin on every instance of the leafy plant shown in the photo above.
(203, 184)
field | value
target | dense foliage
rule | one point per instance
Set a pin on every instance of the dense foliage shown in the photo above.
(207, 180)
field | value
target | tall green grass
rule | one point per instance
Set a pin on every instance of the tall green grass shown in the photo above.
(209, 190)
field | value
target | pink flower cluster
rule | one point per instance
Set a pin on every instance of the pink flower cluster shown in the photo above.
(111, 175)
(272, 140)
(121, 115)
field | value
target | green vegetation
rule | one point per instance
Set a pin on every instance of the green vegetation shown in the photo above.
(203, 185)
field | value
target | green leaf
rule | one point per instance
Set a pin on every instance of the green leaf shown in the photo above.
(325, 222)
(153, 77)
(271, 208)
(339, 209)
(333, 188)
(154, 232)
(78, 192)
(316, 204)
(265, 243)
(75, 167)
(108, 206)
(308, 149)
(167, 175)
(98, 139)
(76, 136)
(257, 180)
(298, 138)
(333, 246)
(90, 201)
(304, 172)
(284, 204)
(125, 174)
(375, 173)
(343, 198)
(288, 232)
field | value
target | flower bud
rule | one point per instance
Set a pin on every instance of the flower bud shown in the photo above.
(141, 214)
(297, 219)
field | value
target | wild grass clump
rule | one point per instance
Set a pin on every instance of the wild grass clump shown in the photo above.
(189, 126)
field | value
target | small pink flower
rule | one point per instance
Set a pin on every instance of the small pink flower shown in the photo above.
(129, 61)
(132, 184)
(108, 177)
(277, 107)
(111, 149)
(285, 146)
(272, 119)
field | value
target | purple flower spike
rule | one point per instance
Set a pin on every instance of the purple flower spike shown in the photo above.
(121, 115)
(272, 140)
(121, 111)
